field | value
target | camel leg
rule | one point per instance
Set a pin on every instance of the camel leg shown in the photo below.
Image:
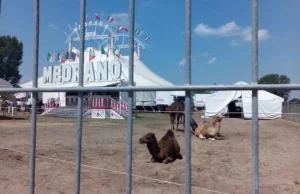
(183, 121)
(219, 135)
(172, 125)
(211, 137)
(177, 122)
(179, 156)
(167, 160)
(153, 159)
(201, 136)
(172, 122)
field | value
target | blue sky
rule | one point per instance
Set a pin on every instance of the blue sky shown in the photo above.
(221, 34)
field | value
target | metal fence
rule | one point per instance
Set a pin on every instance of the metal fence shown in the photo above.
(291, 111)
(130, 89)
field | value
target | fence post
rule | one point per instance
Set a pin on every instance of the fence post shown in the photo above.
(130, 98)
(255, 143)
(187, 110)
(34, 95)
(80, 96)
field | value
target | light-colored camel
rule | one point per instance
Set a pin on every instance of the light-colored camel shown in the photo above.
(166, 150)
(209, 129)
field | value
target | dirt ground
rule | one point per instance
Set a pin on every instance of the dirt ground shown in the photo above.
(217, 166)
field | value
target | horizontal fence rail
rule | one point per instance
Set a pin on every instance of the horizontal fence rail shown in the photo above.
(188, 87)
(157, 88)
(293, 111)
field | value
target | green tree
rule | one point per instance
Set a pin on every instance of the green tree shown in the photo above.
(276, 79)
(11, 53)
(202, 92)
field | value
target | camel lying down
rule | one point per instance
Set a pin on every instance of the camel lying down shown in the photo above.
(209, 129)
(166, 150)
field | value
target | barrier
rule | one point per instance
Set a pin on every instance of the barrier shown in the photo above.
(131, 88)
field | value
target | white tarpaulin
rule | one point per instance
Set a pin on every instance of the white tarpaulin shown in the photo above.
(200, 99)
(269, 105)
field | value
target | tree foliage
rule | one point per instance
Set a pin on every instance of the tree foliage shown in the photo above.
(276, 79)
(11, 53)
(201, 92)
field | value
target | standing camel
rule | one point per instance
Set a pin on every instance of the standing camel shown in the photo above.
(177, 112)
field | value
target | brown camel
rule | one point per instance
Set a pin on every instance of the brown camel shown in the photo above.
(176, 107)
(166, 150)
(209, 129)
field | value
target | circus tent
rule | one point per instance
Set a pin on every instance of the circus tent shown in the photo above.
(143, 76)
(269, 105)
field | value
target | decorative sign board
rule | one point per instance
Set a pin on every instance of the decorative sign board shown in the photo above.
(101, 71)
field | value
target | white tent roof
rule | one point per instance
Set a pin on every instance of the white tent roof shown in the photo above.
(269, 105)
(5, 84)
(8, 96)
(143, 76)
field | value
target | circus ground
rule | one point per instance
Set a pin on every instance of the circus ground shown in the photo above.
(217, 166)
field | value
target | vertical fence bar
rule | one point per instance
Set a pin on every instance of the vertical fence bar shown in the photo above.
(80, 96)
(130, 98)
(255, 139)
(34, 95)
(187, 110)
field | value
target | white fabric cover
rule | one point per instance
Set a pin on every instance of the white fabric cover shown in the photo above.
(269, 105)
(216, 103)
(200, 99)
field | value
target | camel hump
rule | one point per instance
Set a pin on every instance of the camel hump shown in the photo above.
(170, 133)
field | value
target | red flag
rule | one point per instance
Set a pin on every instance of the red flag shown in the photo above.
(91, 54)
(97, 16)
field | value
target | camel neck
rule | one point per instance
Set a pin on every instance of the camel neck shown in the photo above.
(153, 148)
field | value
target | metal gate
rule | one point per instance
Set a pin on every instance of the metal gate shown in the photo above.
(254, 87)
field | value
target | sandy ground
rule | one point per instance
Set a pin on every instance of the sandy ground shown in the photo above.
(221, 166)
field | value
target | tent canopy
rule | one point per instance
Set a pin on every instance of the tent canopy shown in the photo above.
(143, 76)
(7, 96)
(269, 105)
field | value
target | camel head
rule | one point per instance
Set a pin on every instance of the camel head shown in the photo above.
(217, 118)
(148, 138)
(151, 142)
(193, 124)
(216, 121)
